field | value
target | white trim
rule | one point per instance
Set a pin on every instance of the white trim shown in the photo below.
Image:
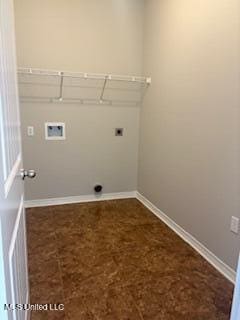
(11, 249)
(235, 314)
(15, 229)
(15, 169)
(79, 199)
(3, 296)
(224, 269)
(28, 311)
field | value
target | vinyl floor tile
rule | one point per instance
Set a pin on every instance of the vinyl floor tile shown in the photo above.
(114, 260)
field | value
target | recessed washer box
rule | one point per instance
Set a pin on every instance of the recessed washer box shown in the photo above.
(55, 131)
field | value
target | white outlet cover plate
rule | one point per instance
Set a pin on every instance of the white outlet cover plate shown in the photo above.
(30, 131)
(235, 224)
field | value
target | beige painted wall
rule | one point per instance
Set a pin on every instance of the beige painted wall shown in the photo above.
(189, 163)
(90, 36)
(78, 35)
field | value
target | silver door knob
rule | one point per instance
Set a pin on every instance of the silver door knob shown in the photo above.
(28, 173)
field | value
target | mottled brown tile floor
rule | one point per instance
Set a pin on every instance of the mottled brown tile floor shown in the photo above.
(115, 260)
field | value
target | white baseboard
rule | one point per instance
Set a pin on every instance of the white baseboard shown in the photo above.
(224, 269)
(78, 199)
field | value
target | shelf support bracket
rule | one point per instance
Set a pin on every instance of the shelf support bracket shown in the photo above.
(60, 98)
(103, 89)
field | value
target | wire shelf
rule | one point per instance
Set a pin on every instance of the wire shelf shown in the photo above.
(46, 86)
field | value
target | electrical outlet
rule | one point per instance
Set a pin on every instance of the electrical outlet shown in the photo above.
(235, 224)
(30, 131)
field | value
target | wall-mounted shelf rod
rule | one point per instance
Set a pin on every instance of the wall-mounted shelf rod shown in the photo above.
(83, 75)
(80, 101)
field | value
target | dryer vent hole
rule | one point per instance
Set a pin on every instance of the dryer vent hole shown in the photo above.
(98, 188)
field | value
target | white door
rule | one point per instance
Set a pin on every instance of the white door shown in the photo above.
(13, 258)
(236, 299)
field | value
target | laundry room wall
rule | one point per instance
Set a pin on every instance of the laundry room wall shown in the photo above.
(189, 144)
(91, 36)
